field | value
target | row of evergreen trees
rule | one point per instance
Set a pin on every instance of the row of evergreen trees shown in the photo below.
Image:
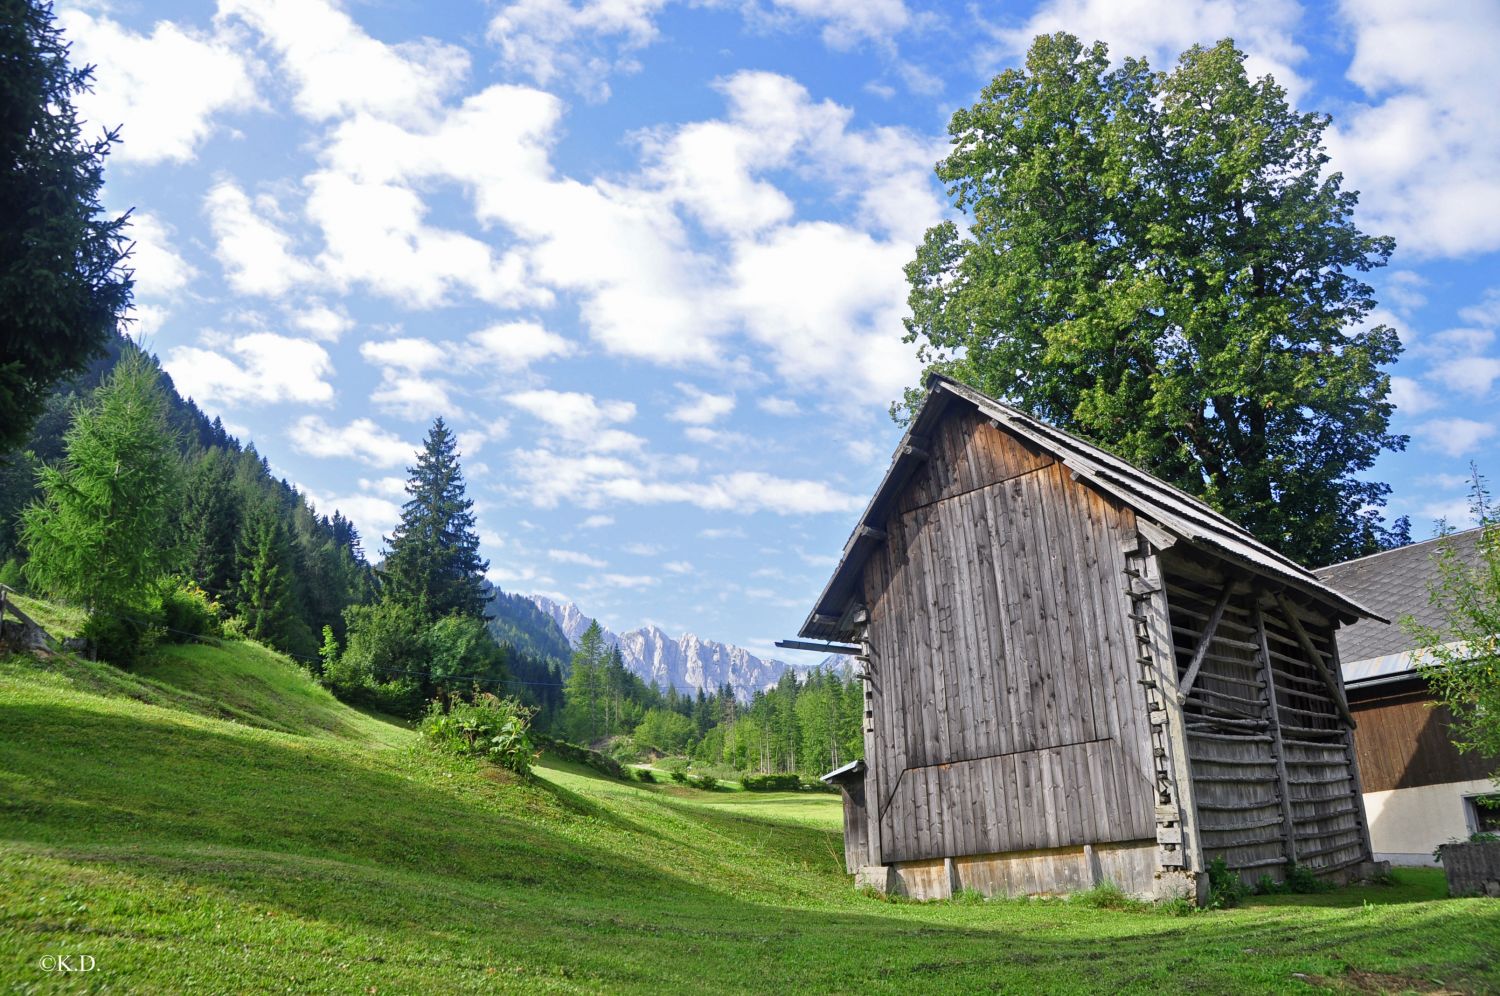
(807, 726)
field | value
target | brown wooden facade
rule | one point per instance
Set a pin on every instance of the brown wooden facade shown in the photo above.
(1068, 681)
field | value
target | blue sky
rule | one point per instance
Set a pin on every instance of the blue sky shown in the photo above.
(646, 255)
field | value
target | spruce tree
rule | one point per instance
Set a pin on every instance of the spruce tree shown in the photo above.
(265, 594)
(211, 523)
(62, 289)
(433, 563)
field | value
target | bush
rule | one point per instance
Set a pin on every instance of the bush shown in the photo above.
(679, 776)
(644, 775)
(122, 640)
(185, 611)
(707, 783)
(771, 783)
(386, 643)
(487, 727)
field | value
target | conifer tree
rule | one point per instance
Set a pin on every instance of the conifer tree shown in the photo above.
(97, 534)
(264, 592)
(211, 523)
(433, 564)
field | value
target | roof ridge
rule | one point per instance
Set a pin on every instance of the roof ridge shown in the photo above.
(1446, 537)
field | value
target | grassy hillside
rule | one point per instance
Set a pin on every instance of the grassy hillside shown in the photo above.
(219, 822)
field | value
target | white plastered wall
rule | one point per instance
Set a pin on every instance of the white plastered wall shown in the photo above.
(1407, 824)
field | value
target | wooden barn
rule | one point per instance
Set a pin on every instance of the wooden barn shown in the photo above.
(1075, 673)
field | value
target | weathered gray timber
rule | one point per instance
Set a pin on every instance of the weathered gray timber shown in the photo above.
(1074, 673)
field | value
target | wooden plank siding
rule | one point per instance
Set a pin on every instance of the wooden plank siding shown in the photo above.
(1405, 739)
(1006, 714)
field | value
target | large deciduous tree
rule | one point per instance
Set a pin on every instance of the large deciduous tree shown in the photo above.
(62, 289)
(434, 563)
(1161, 262)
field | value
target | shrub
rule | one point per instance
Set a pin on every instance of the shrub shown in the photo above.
(487, 727)
(386, 643)
(771, 783)
(707, 783)
(644, 775)
(122, 640)
(679, 776)
(185, 611)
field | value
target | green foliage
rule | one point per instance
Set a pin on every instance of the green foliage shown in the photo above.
(328, 653)
(11, 575)
(679, 776)
(1225, 889)
(707, 783)
(644, 775)
(98, 533)
(123, 640)
(386, 643)
(1461, 659)
(1163, 263)
(785, 782)
(185, 611)
(462, 651)
(62, 288)
(486, 726)
(264, 596)
(433, 565)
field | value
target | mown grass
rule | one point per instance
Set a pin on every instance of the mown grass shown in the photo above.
(189, 833)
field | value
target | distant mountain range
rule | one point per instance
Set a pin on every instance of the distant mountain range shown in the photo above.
(687, 663)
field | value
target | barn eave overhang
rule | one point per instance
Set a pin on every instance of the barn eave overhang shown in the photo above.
(1177, 513)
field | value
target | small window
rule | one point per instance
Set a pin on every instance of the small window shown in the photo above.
(1483, 813)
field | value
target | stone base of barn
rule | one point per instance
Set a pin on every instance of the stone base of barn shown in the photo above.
(1130, 865)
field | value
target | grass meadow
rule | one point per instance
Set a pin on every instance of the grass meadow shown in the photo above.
(217, 822)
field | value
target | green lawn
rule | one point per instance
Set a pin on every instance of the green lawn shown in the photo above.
(218, 823)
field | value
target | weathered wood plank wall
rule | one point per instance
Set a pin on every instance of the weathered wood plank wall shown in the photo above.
(1006, 710)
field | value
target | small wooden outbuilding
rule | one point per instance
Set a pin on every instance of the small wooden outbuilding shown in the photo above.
(1075, 673)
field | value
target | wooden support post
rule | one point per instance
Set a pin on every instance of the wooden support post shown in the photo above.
(1283, 783)
(1201, 651)
(1335, 685)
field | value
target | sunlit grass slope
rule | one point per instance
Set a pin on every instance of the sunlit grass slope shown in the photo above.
(217, 823)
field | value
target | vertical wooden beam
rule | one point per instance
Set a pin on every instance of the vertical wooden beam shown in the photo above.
(1283, 783)
(1201, 651)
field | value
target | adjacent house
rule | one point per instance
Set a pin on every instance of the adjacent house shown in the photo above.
(1420, 791)
(1075, 673)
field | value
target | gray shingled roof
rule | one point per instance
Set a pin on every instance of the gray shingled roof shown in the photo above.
(1395, 583)
(1175, 511)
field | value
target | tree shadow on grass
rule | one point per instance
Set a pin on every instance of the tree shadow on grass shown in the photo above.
(169, 819)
